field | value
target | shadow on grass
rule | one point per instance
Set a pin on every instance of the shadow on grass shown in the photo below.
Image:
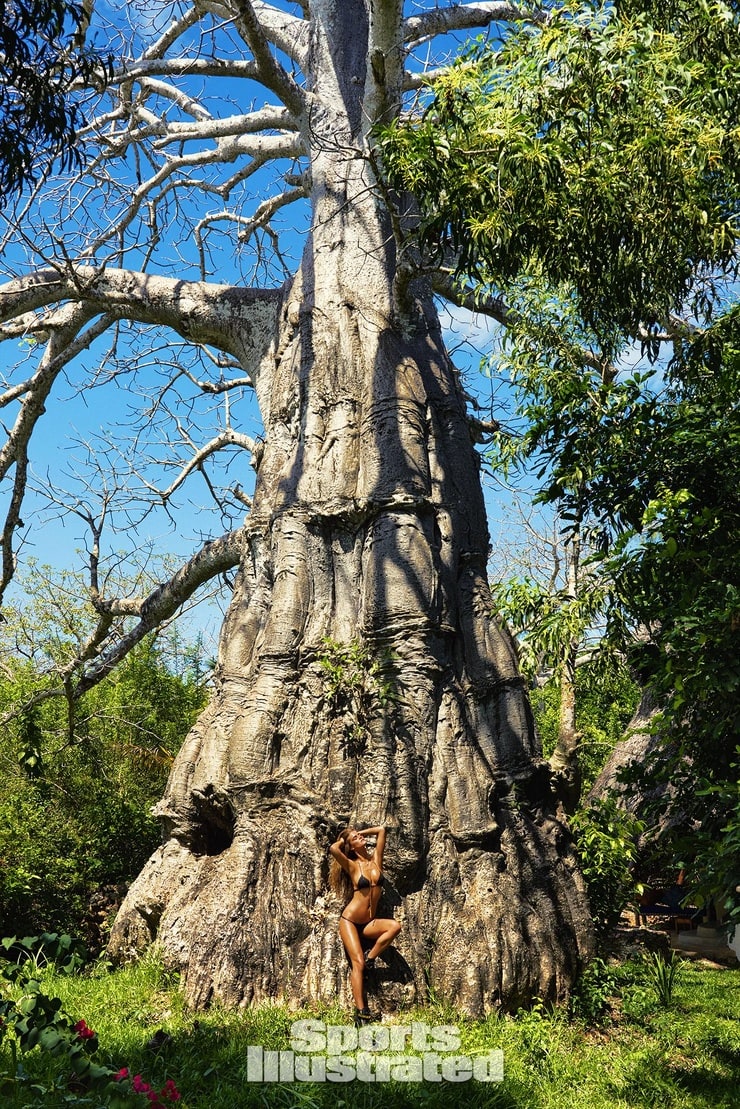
(720, 1091)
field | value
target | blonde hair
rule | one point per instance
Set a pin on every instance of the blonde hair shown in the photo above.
(339, 880)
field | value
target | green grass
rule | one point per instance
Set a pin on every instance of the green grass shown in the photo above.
(641, 1054)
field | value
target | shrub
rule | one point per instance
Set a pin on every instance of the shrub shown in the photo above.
(606, 844)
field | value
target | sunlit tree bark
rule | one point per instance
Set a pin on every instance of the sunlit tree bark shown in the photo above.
(366, 528)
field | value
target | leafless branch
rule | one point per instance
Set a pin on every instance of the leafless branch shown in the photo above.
(272, 74)
(108, 644)
(197, 310)
(216, 557)
(289, 33)
(461, 17)
(227, 438)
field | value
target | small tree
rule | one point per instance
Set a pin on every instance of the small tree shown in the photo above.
(79, 781)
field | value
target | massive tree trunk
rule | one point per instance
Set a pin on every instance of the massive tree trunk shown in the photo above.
(367, 532)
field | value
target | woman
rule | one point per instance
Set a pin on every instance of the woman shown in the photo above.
(364, 934)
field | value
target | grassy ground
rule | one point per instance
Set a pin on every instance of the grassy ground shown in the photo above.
(637, 1054)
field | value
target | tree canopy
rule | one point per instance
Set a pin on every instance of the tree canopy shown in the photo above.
(594, 152)
(77, 789)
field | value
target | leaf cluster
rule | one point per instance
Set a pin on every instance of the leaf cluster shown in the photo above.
(40, 64)
(606, 844)
(596, 151)
(605, 700)
(359, 683)
(547, 621)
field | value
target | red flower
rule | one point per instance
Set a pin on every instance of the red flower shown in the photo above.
(170, 1091)
(82, 1030)
(123, 1073)
(139, 1085)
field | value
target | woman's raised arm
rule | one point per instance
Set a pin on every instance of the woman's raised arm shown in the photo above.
(379, 842)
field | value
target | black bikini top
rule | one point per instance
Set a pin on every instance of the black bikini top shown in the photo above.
(364, 882)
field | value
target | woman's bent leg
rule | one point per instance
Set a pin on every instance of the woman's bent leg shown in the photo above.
(382, 932)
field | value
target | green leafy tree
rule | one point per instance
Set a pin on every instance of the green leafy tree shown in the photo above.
(595, 153)
(607, 848)
(583, 182)
(555, 605)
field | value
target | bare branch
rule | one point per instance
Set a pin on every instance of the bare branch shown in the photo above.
(267, 119)
(108, 644)
(446, 285)
(261, 149)
(289, 33)
(227, 438)
(240, 321)
(218, 386)
(203, 129)
(462, 17)
(64, 344)
(271, 72)
(177, 28)
(216, 557)
(185, 67)
(248, 225)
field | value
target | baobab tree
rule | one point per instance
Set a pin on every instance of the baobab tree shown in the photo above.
(362, 675)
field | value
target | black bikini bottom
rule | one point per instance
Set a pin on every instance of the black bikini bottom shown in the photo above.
(360, 929)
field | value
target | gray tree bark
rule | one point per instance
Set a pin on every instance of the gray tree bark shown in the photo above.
(367, 530)
(639, 743)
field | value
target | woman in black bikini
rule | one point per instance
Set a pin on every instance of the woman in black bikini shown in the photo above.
(364, 935)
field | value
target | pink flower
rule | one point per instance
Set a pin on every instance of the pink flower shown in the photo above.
(123, 1073)
(170, 1091)
(139, 1085)
(82, 1030)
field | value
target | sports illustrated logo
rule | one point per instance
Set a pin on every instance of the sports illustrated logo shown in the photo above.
(322, 1052)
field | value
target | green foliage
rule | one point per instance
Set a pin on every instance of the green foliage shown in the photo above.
(606, 844)
(547, 620)
(714, 842)
(359, 684)
(75, 807)
(606, 699)
(40, 66)
(33, 1021)
(594, 993)
(63, 952)
(678, 573)
(597, 152)
(657, 476)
